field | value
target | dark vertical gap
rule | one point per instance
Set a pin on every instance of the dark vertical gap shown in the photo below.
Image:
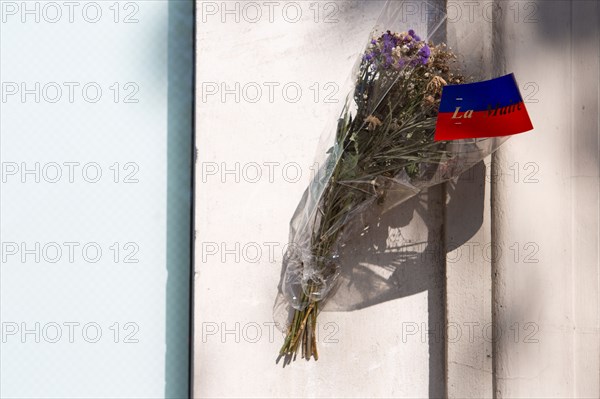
(193, 214)
(180, 204)
(193, 154)
(436, 295)
(443, 248)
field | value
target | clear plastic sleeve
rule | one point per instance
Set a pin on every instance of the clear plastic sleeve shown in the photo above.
(379, 153)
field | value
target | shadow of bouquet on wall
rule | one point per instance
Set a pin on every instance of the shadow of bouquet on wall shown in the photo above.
(402, 252)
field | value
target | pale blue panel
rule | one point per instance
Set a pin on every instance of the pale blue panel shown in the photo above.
(95, 198)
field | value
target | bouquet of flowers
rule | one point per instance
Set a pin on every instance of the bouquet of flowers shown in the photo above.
(385, 142)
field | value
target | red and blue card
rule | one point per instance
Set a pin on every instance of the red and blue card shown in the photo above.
(484, 109)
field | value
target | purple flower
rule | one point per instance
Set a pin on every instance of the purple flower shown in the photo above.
(414, 36)
(388, 60)
(389, 42)
(369, 56)
(424, 53)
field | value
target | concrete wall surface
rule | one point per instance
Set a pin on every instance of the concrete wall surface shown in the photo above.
(492, 280)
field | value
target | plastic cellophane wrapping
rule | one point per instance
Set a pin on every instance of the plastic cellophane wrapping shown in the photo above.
(379, 153)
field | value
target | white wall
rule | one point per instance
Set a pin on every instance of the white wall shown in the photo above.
(555, 216)
(544, 314)
(230, 292)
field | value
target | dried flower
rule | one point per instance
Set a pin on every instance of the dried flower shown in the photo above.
(372, 122)
(436, 84)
